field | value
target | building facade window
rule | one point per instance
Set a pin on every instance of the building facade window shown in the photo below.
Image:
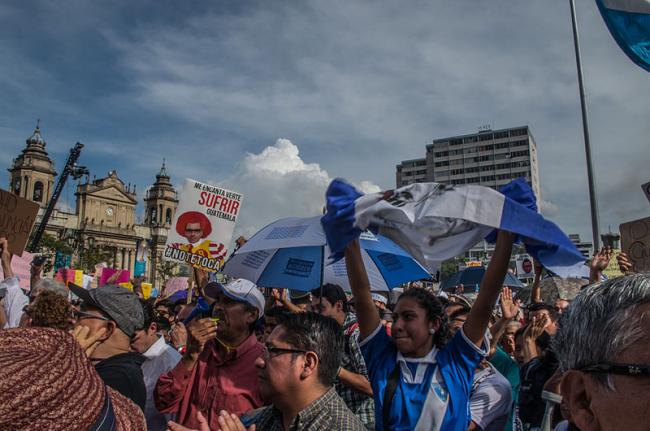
(519, 132)
(168, 216)
(16, 187)
(38, 192)
(485, 137)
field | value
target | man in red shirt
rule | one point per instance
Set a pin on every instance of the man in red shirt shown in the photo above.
(217, 371)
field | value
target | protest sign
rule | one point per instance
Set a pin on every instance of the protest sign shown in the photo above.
(107, 273)
(174, 285)
(74, 276)
(525, 267)
(17, 217)
(635, 242)
(203, 225)
(62, 261)
(646, 190)
(139, 268)
(21, 265)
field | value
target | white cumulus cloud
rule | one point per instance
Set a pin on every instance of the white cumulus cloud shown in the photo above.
(278, 183)
(548, 208)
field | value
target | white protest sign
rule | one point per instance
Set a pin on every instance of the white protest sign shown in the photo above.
(203, 225)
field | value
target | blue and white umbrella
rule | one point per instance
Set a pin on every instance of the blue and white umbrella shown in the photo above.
(291, 253)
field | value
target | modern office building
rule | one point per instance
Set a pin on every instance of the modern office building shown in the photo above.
(489, 158)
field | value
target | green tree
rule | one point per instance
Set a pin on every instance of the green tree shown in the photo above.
(90, 257)
(50, 244)
(448, 268)
(165, 270)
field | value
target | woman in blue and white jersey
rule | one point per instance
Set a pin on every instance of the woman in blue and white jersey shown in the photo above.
(419, 380)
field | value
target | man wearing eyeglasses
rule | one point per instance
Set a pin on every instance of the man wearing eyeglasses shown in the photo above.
(297, 372)
(217, 371)
(112, 314)
(603, 345)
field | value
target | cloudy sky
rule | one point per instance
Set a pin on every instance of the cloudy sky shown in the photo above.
(273, 99)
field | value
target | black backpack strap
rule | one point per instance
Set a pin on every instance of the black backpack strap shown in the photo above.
(389, 394)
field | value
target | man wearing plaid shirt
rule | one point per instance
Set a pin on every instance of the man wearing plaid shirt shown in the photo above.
(352, 385)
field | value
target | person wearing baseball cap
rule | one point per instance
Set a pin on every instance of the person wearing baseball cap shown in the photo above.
(217, 371)
(115, 313)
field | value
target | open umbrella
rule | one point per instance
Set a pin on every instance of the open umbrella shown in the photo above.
(292, 253)
(471, 278)
(552, 288)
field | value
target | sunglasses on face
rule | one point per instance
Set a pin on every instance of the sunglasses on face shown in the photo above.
(272, 351)
(80, 315)
(632, 370)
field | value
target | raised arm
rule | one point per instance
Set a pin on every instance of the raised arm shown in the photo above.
(536, 292)
(367, 314)
(599, 263)
(479, 315)
(509, 311)
(5, 259)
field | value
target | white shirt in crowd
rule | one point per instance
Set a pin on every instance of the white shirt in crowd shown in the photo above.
(14, 302)
(490, 402)
(161, 357)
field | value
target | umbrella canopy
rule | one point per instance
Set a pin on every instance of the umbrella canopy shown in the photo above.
(292, 253)
(471, 278)
(553, 288)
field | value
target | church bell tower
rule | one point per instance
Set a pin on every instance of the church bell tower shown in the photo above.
(160, 201)
(32, 172)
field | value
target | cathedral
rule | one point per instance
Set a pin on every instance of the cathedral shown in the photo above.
(105, 212)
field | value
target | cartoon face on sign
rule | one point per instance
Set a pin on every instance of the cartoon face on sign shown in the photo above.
(194, 226)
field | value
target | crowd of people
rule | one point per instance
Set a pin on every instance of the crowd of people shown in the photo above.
(237, 356)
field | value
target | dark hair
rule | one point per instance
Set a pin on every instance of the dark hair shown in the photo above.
(275, 312)
(435, 311)
(149, 313)
(537, 306)
(333, 293)
(462, 311)
(167, 304)
(315, 333)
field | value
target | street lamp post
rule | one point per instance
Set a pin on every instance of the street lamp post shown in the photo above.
(593, 202)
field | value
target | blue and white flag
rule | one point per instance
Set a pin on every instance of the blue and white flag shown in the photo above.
(435, 222)
(629, 23)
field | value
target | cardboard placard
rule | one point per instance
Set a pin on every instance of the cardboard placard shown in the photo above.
(203, 226)
(17, 218)
(635, 242)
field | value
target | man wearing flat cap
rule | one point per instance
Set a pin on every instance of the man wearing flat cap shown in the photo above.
(112, 314)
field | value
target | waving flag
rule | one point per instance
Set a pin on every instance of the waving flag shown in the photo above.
(435, 222)
(629, 23)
